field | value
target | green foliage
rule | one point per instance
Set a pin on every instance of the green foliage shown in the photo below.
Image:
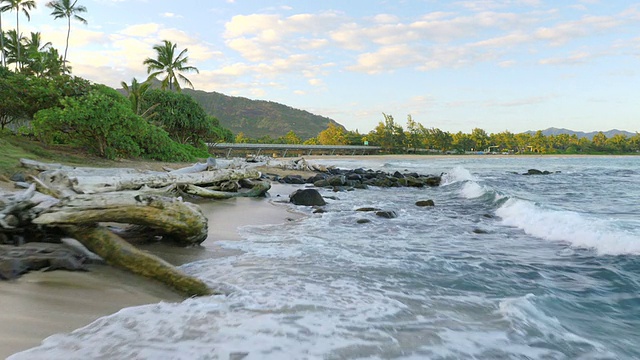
(101, 120)
(170, 65)
(332, 135)
(181, 116)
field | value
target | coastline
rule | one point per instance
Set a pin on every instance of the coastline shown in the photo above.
(41, 304)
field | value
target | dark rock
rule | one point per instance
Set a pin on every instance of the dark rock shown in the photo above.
(433, 181)
(363, 221)
(18, 177)
(367, 209)
(536, 172)
(480, 231)
(359, 171)
(338, 180)
(316, 177)
(425, 203)
(488, 216)
(398, 175)
(307, 197)
(360, 186)
(390, 214)
(321, 183)
(354, 177)
(294, 179)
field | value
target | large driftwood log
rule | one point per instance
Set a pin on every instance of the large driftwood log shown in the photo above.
(82, 198)
(115, 251)
(183, 221)
(258, 190)
(91, 184)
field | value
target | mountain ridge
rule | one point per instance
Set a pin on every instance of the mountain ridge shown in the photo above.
(580, 134)
(258, 118)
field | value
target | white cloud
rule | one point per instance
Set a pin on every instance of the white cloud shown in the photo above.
(577, 58)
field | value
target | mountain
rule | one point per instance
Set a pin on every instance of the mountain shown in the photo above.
(581, 134)
(257, 118)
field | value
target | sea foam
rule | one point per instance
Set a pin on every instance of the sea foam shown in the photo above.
(569, 226)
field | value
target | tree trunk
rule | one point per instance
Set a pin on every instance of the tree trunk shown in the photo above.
(183, 221)
(115, 251)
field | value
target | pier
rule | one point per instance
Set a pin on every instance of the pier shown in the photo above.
(282, 150)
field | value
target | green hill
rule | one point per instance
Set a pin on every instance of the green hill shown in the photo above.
(257, 118)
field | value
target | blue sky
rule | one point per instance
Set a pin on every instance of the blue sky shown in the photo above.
(512, 65)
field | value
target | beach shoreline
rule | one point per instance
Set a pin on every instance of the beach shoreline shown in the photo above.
(40, 304)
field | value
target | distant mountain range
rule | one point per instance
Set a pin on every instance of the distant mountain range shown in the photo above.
(257, 118)
(581, 134)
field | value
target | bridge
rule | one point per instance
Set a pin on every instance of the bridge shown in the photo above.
(281, 150)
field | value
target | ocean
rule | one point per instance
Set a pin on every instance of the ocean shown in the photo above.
(504, 266)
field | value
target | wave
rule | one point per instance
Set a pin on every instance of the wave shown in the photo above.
(531, 322)
(455, 175)
(572, 227)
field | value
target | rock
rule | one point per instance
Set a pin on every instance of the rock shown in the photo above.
(480, 231)
(423, 203)
(390, 214)
(363, 221)
(367, 209)
(536, 172)
(307, 197)
(294, 179)
(18, 177)
(398, 175)
(338, 180)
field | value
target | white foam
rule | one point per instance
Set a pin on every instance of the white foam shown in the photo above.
(568, 226)
(472, 190)
(457, 174)
(526, 319)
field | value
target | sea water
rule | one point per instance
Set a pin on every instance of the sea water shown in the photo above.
(504, 266)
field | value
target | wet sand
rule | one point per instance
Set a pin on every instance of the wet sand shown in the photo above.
(41, 304)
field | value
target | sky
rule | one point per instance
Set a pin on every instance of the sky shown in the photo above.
(513, 65)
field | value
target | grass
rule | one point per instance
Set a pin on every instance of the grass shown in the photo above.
(15, 147)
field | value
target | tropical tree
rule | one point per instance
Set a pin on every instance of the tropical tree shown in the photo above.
(68, 10)
(2, 52)
(19, 5)
(167, 63)
(332, 135)
(135, 92)
(11, 44)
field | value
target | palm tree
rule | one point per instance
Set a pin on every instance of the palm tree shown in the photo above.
(135, 91)
(11, 44)
(17, 5)
(3, 8)
(65, 9)
(167, 63)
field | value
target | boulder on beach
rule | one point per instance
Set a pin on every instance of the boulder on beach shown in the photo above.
(387, 214)
(307, 197)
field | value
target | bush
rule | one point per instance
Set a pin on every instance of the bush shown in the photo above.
(183, 118)
(101, 121)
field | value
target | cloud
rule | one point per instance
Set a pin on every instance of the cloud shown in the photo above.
(576, 58)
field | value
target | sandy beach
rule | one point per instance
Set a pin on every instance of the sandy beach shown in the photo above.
(40, 304)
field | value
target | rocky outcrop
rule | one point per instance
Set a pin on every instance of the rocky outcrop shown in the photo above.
(341, 179)
(307, 197)
(538, 172)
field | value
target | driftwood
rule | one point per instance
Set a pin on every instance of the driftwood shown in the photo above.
(91, 184)
(258, 190)
(182, 220)
(78, 201)
(115, 251)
